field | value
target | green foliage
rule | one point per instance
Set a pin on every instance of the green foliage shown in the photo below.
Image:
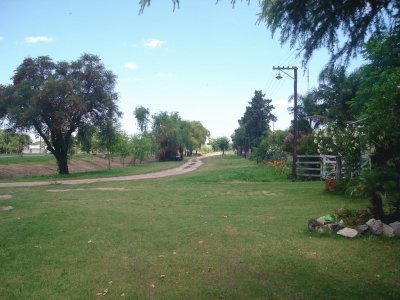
(85, 137)
(13, 142)
(352, 218)
(271, 148)
(173, 135)
(254, 125)
(223, 143)
(56, 99)
(142, 117)
(108, 138)
(141, 147)
(310, 25)
(378, 99)
(349, 142)
(382, 187)
(167, 132)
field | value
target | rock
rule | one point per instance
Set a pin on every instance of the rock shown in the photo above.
(321, 220)
(328, 227)
(341, 224)
(313, 225)
(376, 226)
(362, 228)
(348, 232)
(335, 226)
(396, 228)
(387, 231)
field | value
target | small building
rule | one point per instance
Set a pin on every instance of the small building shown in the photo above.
(34, 149)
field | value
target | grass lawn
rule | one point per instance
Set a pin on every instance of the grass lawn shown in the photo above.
(231, 230)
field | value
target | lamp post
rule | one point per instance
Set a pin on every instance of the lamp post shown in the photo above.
(295, 113)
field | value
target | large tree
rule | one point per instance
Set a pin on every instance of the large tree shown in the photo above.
(223, 143)
(167, 131)
(56, 99)
(256, 118)
(331, 100)
(377, 103)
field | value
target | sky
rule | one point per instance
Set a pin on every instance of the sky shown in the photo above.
(203, 60)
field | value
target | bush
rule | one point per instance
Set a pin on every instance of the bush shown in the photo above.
(353, 218)
(382, 187)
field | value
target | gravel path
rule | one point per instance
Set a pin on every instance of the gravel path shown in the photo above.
(191, 165)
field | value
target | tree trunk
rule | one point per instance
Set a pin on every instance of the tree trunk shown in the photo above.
(62, 163)
(377, 205)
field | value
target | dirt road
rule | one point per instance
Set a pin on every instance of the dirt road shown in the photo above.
(191, 165)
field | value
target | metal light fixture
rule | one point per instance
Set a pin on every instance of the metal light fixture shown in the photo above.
(279, 76)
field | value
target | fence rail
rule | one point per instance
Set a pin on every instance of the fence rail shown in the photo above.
(325, 166)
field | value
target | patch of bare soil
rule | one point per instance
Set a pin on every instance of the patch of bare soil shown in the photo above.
(32, 169)
(96, 189)
(5, 197)
(5, 208)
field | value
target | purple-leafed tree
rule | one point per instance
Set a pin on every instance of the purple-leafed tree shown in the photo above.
(56, 99)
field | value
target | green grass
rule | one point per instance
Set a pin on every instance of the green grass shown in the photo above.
(31, 158)
(231, 230)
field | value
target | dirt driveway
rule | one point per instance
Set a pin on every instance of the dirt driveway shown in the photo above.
(191, 165)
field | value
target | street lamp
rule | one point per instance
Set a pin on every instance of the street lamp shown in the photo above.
(295, 113)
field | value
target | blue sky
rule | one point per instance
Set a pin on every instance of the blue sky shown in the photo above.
(204, 60)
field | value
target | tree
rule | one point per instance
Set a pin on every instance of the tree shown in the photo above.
(377, 103)
(142, 117)
(167, 131)
(13, 142)
(122, 147)
(335, 91)
(239, 140)
(194, 135)
(56, 99)
(141, 146)
(309, 25)
(108, 138)
(255, 122)
(85, 137)
(223, 143)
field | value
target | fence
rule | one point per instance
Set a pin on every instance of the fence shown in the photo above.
(325, 166)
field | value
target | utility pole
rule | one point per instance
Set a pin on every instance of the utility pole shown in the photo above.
(295, 113)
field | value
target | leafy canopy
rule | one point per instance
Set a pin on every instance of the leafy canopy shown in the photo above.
(56, 99)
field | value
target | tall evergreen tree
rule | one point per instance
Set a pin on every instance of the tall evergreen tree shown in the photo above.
(256, 118)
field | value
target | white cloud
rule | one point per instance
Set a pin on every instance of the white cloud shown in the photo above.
(38, 39)
(130, 65)
(154, 43)
(1, 38)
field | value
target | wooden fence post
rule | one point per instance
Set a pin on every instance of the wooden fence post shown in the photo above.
(338, 167)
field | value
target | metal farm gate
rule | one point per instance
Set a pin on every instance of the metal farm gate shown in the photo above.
(325, 166)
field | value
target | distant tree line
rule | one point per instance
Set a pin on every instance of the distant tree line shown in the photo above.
(13, 142)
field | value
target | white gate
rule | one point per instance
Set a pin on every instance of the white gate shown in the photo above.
(325, 166)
